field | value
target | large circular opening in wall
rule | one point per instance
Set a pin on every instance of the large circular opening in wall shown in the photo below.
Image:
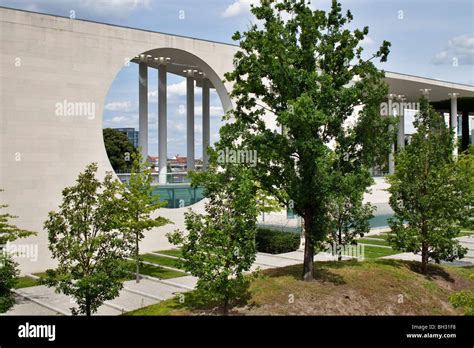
(168, 104)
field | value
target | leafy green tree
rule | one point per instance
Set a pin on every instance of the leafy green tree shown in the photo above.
(309, 74)
(265, 203)
(349, 216)
(8, 231)
(466, 170)
(119, 150)
(219, 247)
(428, 192)
(8, 267)
(8, 278)
(139, 204)
(85, 239)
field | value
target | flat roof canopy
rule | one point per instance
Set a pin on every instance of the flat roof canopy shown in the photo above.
(410, 86)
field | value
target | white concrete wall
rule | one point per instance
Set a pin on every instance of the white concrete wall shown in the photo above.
(41, 153)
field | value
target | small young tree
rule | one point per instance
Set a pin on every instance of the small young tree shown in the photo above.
(85, 239)
(466, 170)
(8, 279)
(220, 246)
(8, 267)
(428, 193)
(266, 203)
(139, 204)
(8, 231)
(349, 216)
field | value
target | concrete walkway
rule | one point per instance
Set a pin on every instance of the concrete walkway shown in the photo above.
(468, 260)
(41, 300)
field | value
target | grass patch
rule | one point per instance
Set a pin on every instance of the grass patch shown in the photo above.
(370, 287)
(171, 252)
(162, 260)
(371, 241)
(371, 252)
(26, 282)
(465, 233)
(158, 272)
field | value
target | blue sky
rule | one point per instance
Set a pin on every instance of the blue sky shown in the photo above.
(430, 38)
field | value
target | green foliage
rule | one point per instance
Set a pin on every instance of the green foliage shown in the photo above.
(466, 172)
(463, 299)
(308, 73)
(8, 270)
(429, 192)
(8, 279)
(139, 203)
(85, 239)
(276, 242)
(220, 246)
(119, 150)
(349, 216)
(266, 203)
(9, 232)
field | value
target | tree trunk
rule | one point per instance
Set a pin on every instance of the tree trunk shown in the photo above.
(308, 267)
(339, 253)
(226, 306)
(88, 307)
(424, 258)
(137, 255)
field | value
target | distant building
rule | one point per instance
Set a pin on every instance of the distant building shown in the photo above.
(131, 134)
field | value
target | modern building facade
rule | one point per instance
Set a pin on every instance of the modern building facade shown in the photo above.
(132, 135)
(55, 75)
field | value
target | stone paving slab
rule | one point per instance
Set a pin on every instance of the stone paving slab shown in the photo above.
(154, 288)
(274, 261)
(131, 301)
(24, 306)
(49, 297)
(187, 281)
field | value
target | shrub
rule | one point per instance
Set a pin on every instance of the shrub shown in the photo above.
(276, 242)
(465, 300)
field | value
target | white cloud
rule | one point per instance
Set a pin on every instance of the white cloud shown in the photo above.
(116, 8)
(459, 49)
(174, 90)
(123, 106)
(238, 7)
(367, 41)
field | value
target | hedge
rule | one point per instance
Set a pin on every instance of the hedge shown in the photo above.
(276, 242)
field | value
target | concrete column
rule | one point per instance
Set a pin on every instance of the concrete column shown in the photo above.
(206, 128)
(143, 106)
(454, 120)
(465, 130)
(190, 119)
(401, 123)
(391, 156)
(162, 124)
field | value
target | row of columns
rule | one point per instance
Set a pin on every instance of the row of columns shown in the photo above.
(401, 125)
(162, 115)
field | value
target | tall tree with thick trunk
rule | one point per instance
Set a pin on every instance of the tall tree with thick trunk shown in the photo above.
(306, 69)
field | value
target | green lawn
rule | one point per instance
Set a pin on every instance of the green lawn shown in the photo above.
(158, 272)
(371, 287)
(466, 233)
(171, 252)
(370, 241)
(162, 260)
(374, 252)
(26, 282)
